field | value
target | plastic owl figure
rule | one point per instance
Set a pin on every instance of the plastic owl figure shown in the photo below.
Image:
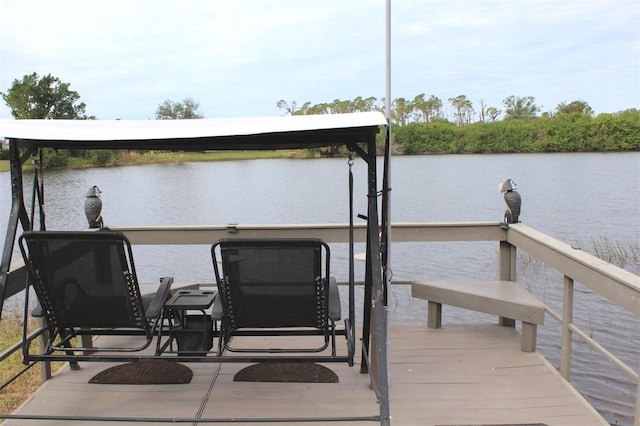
(93, 207)
(512, 200)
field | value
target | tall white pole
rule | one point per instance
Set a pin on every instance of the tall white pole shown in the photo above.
(387, 213)
(388, 59)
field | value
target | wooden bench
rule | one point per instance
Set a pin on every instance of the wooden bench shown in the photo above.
(507, 299)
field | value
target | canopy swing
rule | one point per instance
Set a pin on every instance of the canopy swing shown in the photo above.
(356, 131)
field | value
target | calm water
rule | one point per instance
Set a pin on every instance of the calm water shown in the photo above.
(582, 199)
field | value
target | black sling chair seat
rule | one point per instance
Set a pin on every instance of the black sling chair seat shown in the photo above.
(86, 284)
(275, 287)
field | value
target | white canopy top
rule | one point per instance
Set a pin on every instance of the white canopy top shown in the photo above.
(223, 133)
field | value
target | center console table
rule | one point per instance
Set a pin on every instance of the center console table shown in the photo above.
(193, 333)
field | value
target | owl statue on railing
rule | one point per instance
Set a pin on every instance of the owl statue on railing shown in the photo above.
(512, 200)
(93, 207)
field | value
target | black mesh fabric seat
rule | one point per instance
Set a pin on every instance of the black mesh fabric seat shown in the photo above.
(86, 284)
(275, 287)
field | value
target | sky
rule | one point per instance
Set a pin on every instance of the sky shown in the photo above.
(238, 58)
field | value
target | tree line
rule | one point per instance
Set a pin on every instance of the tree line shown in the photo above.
(567, 132)
(425, 110)
(419, 126)
(422, 125)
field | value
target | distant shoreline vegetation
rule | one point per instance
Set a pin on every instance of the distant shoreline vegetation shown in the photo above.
(569, 132)
(422, 125)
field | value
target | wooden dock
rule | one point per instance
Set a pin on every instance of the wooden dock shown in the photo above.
(456, 375)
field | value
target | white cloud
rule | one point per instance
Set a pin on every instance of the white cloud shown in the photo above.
(241, 57)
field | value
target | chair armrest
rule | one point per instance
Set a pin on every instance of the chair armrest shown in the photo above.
(335, 307)
(37, 312)
(216, 312)
(160, 298)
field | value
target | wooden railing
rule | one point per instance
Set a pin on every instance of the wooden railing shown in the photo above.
(613, 283)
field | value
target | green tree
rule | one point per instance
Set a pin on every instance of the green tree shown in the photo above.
(187, 109)
(339, 107)
(308, 109)
(520, 107)
(575, 107)
(493, 113)
(421, 112)
(434, 108)
(617, 132)
(289, 109)
(361, 104)
(426, 110)
(46, 97)
(462, 109)
(401, 110)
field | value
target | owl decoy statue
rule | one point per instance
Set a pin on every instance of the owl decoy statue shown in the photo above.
(93, 207)
(512, 200)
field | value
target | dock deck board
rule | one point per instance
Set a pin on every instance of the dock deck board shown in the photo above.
(457, 375)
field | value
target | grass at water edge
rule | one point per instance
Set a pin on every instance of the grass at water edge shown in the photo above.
(19, 391)
(135, 158)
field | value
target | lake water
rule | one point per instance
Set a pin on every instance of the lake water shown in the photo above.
(585, 200)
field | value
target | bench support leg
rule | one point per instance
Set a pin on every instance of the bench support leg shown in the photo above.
(506, 322)
(434, 314)
(529, 336)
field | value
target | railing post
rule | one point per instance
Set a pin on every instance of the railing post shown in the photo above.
(45, 366)
(508, 256)
(567, 319)
(637, 416)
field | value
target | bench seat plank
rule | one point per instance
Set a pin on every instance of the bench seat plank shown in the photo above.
(507, 299)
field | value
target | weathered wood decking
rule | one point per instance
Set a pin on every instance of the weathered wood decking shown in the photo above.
(457, 375)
